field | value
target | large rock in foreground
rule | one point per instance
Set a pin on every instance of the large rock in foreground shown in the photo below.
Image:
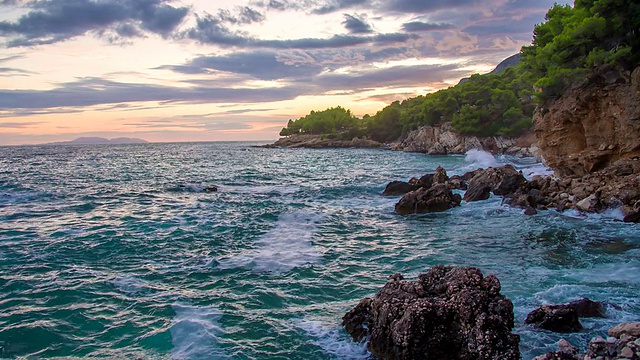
(448, 313)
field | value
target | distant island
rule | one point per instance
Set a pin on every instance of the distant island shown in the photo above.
(99, 140)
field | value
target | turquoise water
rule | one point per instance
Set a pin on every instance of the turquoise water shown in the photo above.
(115, 250)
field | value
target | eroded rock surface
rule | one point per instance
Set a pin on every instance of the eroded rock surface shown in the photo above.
(448, 313)
(591, 125)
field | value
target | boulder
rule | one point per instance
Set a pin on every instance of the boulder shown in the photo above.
(502, 180)
(437, 198)
(564, 318)
(448, 313)
(629, 329)
(556, 318)
(399, 188)
(476, 192)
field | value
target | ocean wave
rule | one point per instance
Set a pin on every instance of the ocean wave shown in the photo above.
(194, 332)
(333, 340)
(288, 245)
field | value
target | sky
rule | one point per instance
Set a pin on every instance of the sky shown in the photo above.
(196, 70)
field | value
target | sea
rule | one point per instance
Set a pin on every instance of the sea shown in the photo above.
(118, 251)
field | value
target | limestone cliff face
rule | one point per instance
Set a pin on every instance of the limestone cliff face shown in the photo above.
(592, 125)
(442, 140)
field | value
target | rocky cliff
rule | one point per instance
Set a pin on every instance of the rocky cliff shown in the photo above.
(592, 124)
(442, 140)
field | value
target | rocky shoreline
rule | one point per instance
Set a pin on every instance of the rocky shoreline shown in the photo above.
(617, 186)
(455, 312)
(431, 140)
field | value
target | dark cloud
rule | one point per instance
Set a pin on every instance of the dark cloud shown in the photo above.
(52, 21)
(92, 91)
(263, 65)
(246, 15)
(18, 125)
(338, 5)
(419, 26)
(356, 25)
(9, 71)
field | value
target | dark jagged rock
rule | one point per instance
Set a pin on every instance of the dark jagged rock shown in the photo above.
(564, 318)
(440, 176)
(457, 182)
(503, 180)
(399, 188)
(437, 198)
(556, 318)
(476, 192)
(448, 313)
(588, 308)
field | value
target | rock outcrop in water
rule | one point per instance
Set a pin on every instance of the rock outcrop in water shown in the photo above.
(433, 194)
(319, 142)
(623, 344)
(448, 313)
(565, 318)
(591, 125)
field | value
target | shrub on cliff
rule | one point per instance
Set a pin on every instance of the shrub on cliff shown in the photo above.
(575, 39)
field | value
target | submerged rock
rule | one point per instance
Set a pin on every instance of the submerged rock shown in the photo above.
(448, 313)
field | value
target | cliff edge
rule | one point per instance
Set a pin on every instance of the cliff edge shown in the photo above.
(593, 124)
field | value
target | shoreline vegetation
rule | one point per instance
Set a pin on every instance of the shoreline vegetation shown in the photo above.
(577, 88)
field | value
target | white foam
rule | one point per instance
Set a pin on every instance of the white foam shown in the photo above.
(480, 159)
(333, 341)
(130, 285)
(194, 332)
(288, 245)
(609, 214)
(619, 272)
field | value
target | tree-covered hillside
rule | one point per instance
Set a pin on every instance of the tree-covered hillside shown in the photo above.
(567, 46)
(576, 39)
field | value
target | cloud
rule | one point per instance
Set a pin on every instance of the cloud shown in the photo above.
(53, 21)
(404, 76)
(211, 30)
(18, 125)
(423, 7)
(338, 5)
(262, 64)
(419, 26)
(9, 71)
(246, 15)
(93, 91)
(356, 25)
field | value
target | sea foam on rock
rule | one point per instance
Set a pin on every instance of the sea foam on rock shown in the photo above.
(450, 312)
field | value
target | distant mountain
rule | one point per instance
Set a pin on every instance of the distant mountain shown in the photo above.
(99, 140)
(510, 61)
